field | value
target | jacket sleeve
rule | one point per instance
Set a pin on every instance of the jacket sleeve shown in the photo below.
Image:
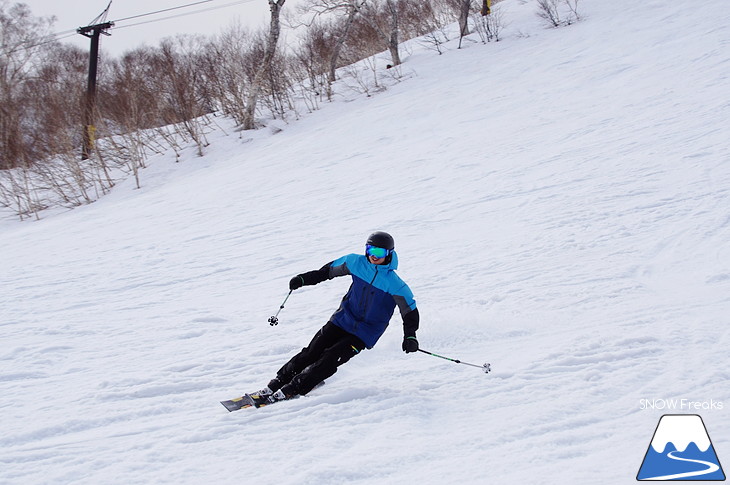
(326, 272)
(410, 323)
(317, 276)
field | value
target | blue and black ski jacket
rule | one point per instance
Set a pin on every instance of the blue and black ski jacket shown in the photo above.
(375, 292)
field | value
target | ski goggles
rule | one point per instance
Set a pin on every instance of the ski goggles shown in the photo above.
(379, 253)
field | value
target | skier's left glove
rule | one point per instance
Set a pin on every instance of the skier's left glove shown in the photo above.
(410, 344)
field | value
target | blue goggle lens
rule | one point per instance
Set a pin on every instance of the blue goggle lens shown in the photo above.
(376, 251)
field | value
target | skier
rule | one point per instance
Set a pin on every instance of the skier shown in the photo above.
(358, 323)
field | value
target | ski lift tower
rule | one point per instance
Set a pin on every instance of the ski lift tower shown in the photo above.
(99, 26)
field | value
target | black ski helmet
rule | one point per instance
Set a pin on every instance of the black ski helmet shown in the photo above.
(381, 239)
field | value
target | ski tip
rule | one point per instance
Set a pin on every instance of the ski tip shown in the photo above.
(227, 406)
(236, 404)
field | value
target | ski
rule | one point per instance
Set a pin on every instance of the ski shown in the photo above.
(238, 403)
(252, 400)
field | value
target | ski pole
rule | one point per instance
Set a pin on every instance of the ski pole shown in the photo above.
(275, 319)
(486, 367)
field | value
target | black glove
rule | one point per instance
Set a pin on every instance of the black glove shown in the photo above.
(410, 344)
(296, 282)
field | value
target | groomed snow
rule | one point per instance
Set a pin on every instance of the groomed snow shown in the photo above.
(560, 202)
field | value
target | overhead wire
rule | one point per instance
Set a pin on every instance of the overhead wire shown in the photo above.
(162, 11)
(217, 7)
(66, 34)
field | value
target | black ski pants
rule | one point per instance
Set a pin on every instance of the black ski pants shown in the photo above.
(330, 348)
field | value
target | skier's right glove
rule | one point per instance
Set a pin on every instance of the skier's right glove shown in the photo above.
(296, 282)
(410, 344)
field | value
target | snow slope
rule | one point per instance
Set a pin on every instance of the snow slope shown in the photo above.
(561, 207)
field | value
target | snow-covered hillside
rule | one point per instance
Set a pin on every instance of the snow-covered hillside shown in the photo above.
(560, 202)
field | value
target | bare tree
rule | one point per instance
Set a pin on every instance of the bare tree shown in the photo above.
(489, 22)
(228, 69)
(352, 8)
(573, 7)
(383, 17)
(416, 18)
(129, 97)
(54, 102)
(549, 11)
(394, 31)
(348, 11)
(181, 84)
(19, 194)
(311, 61)
(22, 41)
(265, 65)
(464, 9)
(278, 87)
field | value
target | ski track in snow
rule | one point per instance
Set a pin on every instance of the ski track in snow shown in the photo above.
(560, 205)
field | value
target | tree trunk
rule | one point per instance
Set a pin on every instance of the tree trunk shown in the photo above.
(390, 39)
(393, 40)
(464, 18)
(269, 52)
(338, 46)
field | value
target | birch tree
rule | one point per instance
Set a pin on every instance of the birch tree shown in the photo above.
(268, 58)
(345, 12)
(384, 18)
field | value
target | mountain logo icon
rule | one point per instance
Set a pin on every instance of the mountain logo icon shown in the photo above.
(681, 450)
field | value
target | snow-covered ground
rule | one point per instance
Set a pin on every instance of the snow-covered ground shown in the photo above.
(561, 207)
